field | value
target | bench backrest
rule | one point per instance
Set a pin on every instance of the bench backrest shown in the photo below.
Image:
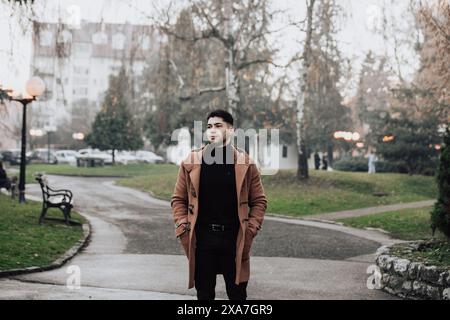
(44, 188)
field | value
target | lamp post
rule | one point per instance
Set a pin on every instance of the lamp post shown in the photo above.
(35, 87)
(35, 133)
(49, 130)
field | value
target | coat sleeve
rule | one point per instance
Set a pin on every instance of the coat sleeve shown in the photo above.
(257, 201)
(179, 202)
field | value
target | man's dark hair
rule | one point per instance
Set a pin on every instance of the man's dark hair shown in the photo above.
(225, 115)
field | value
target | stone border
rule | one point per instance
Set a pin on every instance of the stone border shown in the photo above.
(409, 279)
(69, 254)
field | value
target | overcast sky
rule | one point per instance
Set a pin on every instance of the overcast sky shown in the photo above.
(360, 29)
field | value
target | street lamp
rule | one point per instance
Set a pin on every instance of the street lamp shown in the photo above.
(35, 87)
(78, 136)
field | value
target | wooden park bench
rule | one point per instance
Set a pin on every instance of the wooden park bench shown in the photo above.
(51, 198)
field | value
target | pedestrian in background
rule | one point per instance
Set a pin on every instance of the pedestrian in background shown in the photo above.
(372, 160)
(316, 160)
(324, 162)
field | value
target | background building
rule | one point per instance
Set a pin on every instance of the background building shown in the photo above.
(76, 62)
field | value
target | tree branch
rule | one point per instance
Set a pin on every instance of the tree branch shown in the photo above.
(203, 91)
(212, 89)
(245, 64)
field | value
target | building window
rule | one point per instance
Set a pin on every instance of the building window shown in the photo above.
(115, 68)
(118, 41)
(145, 44)
(100, 38)
(77, 81)
(44, 67)
(59, 93)
(45, 39)
(64, 37)
(285, 151)
(81, 91)
(82, 49)
(81, 70)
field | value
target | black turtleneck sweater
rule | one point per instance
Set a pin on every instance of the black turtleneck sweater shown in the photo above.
(218, 196)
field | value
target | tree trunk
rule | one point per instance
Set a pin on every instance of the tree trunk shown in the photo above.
(113, 157)
(302, 169)
(231, 74)
(330, 154)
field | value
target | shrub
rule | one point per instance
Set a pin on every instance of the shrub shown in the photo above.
(360, 164)
(440, 215)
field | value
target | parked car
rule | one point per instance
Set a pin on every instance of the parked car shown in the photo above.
(67, 157)
(148, 157)
(95, 154)
(125, 157)
(13, 156)
(41, 155)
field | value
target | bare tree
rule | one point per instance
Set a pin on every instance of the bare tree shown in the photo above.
(240, 28)
(302, 169)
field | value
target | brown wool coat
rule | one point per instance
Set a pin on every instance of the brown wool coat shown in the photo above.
(252, 204)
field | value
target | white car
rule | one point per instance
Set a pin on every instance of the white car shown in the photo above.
(95, 153)
(148, 157)
(125, 157)
(67, 156)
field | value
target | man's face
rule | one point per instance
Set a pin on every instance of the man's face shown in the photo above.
(218, 130)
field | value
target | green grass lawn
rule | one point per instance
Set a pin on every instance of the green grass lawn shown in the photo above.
(407, 224)
(25, 243)
(324, 192)
(131, 170)
(336, 191)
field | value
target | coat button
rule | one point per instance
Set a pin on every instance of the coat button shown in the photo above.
(194, 194)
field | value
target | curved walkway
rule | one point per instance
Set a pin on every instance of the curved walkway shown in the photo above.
(133, 254)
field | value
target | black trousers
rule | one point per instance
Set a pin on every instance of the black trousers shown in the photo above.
(216, 254)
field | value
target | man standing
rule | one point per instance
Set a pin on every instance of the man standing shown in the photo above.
(218, 208)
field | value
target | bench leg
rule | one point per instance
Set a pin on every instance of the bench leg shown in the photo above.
(13, 192)
(43, 213)
(64, 210)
